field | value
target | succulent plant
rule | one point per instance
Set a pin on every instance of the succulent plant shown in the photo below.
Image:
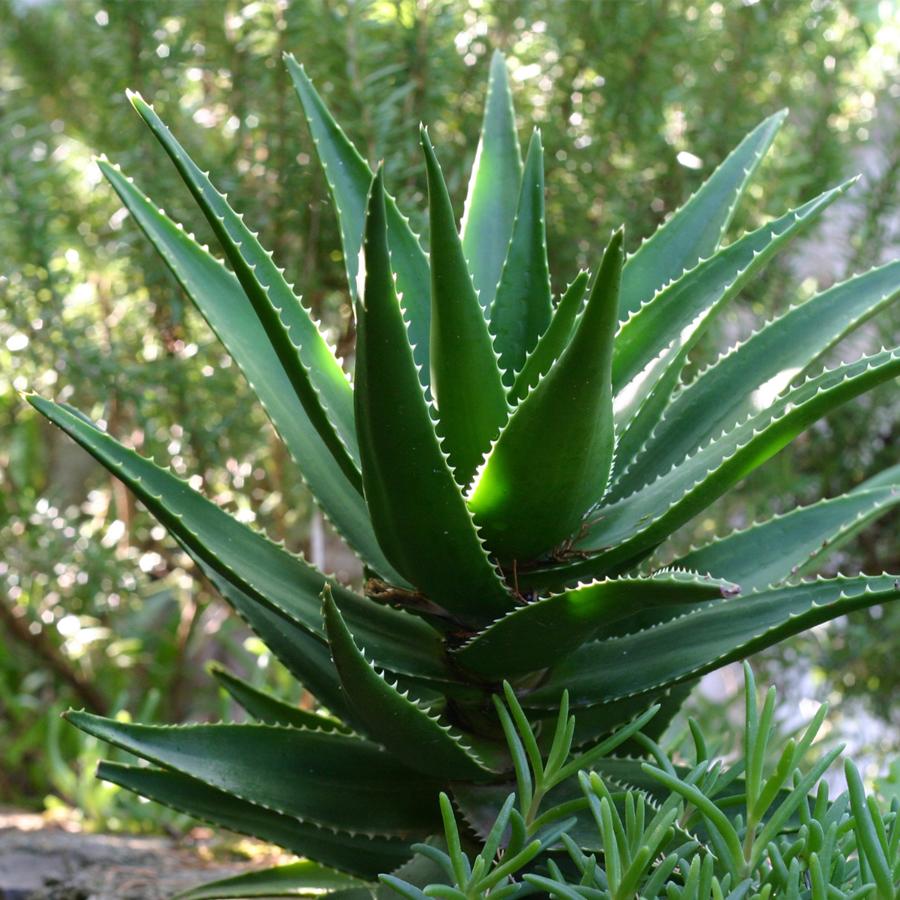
(509, 470)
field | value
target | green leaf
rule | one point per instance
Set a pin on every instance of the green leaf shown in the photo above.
(359, 854)
(794, 543)
(465, 380)
(223, 303)
(642, 520)
(268, 709)
(378, 794)
(543, 632)
(299, 879)
(493, 187)
(695, 230)
(349, 178)
(707, 639)
(521, 310)
(552, 459)
(314, 372)
(869, 841)
(554, 340)
(418, 511)
(408, 731)
(748, 377)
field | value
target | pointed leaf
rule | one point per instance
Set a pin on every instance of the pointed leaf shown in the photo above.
(552, 459)
(299, 879)
(554, 340)
(349, 178)
(493, 187)
(543, 632)
(521, 310)
(465, 380)
(750, 376)
(223, 303)
(695, 230)
(720, 632)
(309, 363)
(417, 508)
(358, 854)
(378, 795)
(408, 731)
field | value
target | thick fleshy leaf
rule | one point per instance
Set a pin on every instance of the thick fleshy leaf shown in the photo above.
(418, 511)
(544, 631)
(552, 459)
(411, 734)
(314, 372)
(521, 310)
(254, 762)
(299, 879)
(695, 230)
(493, 187)
(720, 632)
(223, 303)
(358, 854)
(554, 340)
(750, 376)
(349, 178)
(792, 544)
(268, 709)
(465, 381)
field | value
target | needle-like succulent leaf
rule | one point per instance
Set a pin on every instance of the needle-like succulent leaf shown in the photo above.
(465, 381)
(552, 459)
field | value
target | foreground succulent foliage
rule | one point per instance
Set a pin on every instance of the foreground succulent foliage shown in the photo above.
(509, 470)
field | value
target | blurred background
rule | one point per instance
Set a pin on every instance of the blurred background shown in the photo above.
(638, 100)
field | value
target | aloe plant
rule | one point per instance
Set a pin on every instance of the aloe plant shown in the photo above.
(509, 469)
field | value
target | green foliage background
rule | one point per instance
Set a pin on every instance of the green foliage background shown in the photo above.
(637, 99)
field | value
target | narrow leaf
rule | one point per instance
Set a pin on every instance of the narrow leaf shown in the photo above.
(552, 459)
(493, 187)
(521, 310)
(418, 511)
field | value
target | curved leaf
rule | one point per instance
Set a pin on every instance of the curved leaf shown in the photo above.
(543, 632)
(493, 187)
(706, 639)
(695, 230)
(521, 309)
(358, 854)
(465, 380)
(552, 459)
(378, 795)
(349, 178)
(299, 879)
(417, 508)
(408, 731)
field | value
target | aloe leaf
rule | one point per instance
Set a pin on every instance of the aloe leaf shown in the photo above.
(707, 639)
(793, 543)
(553, 341)
(314, 372)
(299, 879)
(552, 459)
(223, 303)
(643, 519)
(544, 631)
(695, 230)
(358, 854)
(349, 178)
(681, 310)
(465, 381)
(378, 794)
(408, 731)
(281, 581)
(418, 511)
(493, 187)
(521, 309)
(268, 709)
(748, 377)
